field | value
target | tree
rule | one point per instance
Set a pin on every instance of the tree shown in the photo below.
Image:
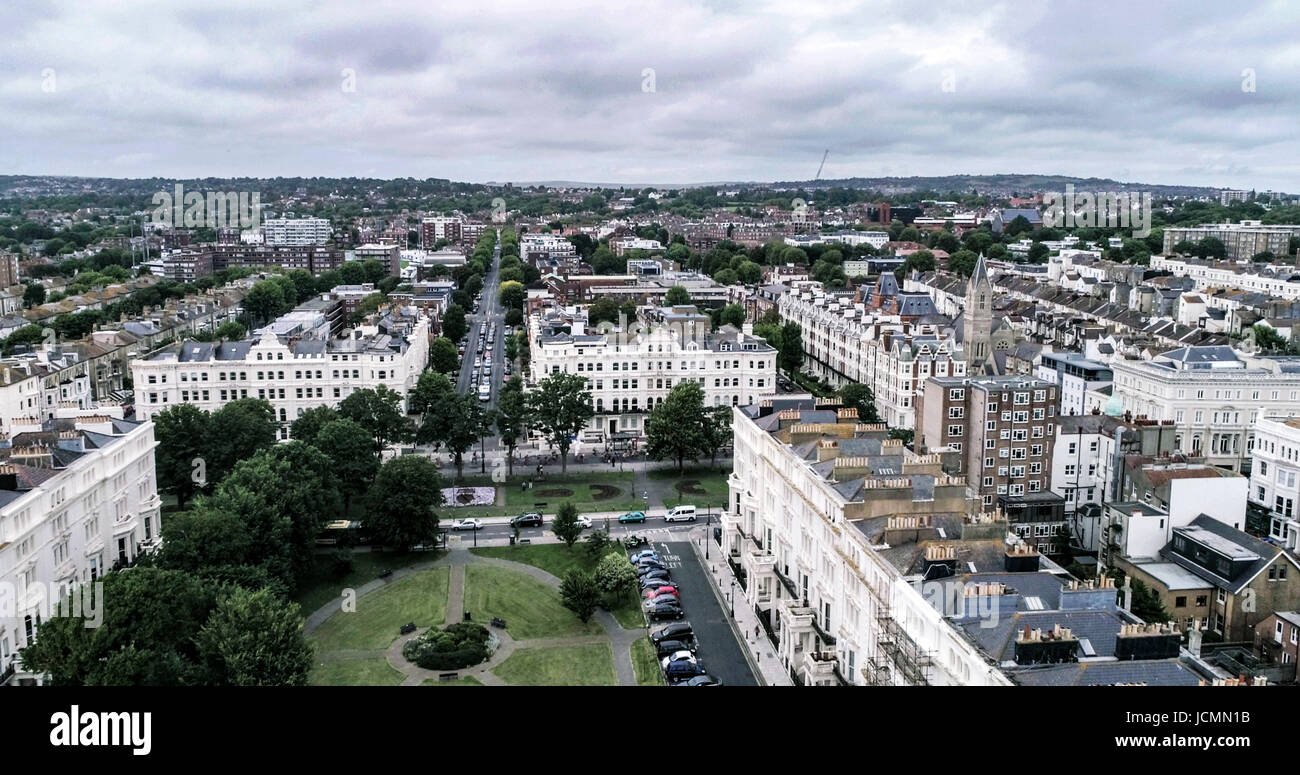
(431, 388)
(598, 541)
(348, 447)
(379, 411)
(454, 326)
(920, 260)
(962, 262)
(677, 427)
(182, 434)
(717, 431)
(790, 353)
(310, 423)
(733, 315)
(615, 578)
(254, 638)
(443, 357)
(560, 408)
(33, 295)
(458, 423)
(1268, 340)
(511, 418)
(235, 432)
(231, 330)
(146, 637)
(566, 526)
(264, 300)
(1146, 604)
(1038, 253)
(677, 295)
(512, 295)
(856, 395)
(402, 500)
(1211, 247)
(579, 594)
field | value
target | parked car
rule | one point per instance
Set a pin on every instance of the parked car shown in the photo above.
(702, 679)
(632, 516)
(651, 569)
(654, 581)
(531, 519)
(585, 522)
(650, 565)
(683, 670)
(636, 557)
(678, 631)
(678, 656)
(658, 610)
(657, 592)
(467, 524)
(667, 647)
(680, 514)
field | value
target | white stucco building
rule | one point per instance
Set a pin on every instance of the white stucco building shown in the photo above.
(76, 497)
(1274, 475)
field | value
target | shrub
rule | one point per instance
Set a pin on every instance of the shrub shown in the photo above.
(455, 646)
(341, 563)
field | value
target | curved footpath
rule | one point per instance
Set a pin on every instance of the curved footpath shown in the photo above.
(456, 559)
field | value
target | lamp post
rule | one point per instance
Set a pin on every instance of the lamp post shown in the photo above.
(731, 598)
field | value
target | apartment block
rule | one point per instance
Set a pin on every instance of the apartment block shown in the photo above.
(389, 256)
(294, 373)
(1001, 429)
(631, 371)
(296, 232)
(1242, 240)
(1214, 395)
(77, 497)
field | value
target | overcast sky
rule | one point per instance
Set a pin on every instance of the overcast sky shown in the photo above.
(742, 89)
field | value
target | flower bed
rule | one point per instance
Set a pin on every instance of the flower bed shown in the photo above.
(455, 646)
(469, 496)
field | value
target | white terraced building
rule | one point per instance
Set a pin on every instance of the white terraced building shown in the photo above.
(1214, 395)
(294, 375)
(825, 518)
(1275, 477)
(1276, 281)
(628, 375)
(846, 342)
(76, 496)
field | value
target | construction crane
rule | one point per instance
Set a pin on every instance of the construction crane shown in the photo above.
(820, 166)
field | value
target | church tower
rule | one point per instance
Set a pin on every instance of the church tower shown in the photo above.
(977, 320)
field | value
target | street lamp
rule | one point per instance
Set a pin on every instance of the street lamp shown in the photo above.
(731, 598)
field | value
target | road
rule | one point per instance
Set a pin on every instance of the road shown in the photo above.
(654, 528)
(489, 311)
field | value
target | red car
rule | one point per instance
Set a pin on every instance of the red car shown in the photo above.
(651, 594)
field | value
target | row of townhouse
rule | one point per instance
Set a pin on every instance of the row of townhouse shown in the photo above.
(292, 372)
(867, 565)
(846, 342)
(631, 370)
(1281, 282)
(77, 497)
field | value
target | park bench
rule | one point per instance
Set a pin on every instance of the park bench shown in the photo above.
(525, 540)
(498, 622)
(448, 676)
(386, 573)
(408, 628)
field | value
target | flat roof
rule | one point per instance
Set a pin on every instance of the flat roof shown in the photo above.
(1174, 576)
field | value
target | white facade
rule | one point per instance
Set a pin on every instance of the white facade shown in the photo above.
(1275, 477)
(800, 517)
(296, 232)
(293, 376)
(629, 375)
(69, 525)
(849, 344)
(1213, 395)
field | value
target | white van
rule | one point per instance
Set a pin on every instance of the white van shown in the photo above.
(484, 392)
(680, 514)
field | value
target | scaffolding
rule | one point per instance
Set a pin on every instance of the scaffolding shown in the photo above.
(898, 656)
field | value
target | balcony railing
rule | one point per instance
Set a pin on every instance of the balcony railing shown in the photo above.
(787, 582)
(825, 636)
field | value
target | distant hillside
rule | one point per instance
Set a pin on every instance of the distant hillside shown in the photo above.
(996, 185)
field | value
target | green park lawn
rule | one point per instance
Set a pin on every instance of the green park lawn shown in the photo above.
(584, 665)
(557, 560)
(369, 671)
(419, 598)
(322, 586)
(703, 487)
(531, 609)
(646, 664)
